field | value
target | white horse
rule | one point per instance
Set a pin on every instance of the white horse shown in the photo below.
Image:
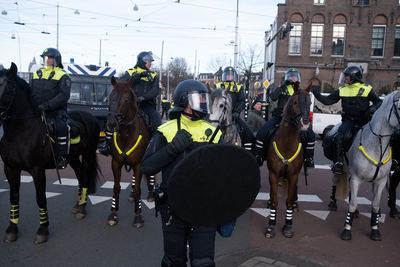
(369, 160)
(221, 115)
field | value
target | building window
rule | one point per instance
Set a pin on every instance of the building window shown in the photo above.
(317, 36)
(360, 2)
(320, 2)
(397, 42)
(338, 35)
(378, 40)
(295, 39)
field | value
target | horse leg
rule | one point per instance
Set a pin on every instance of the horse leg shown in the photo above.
(39, 178)
(287, 229)
(332, 205)
(116, 168)
(354, 186)
(138, 221)
(296, 205)
(375, 213)
(150, 186)
(394, 182)
(14, 180)
(79, 208)
(273, 182)
(132, 194)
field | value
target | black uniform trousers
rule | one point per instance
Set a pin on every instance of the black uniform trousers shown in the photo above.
(178, 234)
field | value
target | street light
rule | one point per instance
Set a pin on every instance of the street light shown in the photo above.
(100, 50)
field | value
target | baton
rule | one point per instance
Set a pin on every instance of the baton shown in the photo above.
(51, 146)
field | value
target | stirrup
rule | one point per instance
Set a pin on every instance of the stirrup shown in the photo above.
(338, 168)
(62, 163)
(309, 162)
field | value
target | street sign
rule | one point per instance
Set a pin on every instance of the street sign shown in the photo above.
(266, 83)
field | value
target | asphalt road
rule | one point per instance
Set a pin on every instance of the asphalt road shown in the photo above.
(91, 242)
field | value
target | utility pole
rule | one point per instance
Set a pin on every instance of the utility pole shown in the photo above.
(195, 61)
(58, 23)
(236, 52)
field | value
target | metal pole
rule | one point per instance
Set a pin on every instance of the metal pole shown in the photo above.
(162, 56)
(168, 82)
(236, 36)
(195, 61)
(100, 54)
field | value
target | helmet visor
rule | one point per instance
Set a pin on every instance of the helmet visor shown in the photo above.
(199, 101)
(148, 57)
(229, 76)
(293, 76)
(48, 61)
(342, 79)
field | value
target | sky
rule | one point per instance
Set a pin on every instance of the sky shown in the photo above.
(191, 29)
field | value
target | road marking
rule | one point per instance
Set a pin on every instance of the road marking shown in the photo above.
(98, 199)
(110, 184)
(24, 179)
(398, 202)
(262, 196)
(150, 205)
(263, 212)
(381, 218)
(67, 181)
(321, 214)
(52, 194)
(323, 167)
(360, 200)
(4, 190)
(308, 198)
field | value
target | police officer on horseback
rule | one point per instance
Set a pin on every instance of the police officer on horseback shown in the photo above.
(145, 85)
(282, 94)
(229, 78)
(185, 131)
(356, 111)
(51, 87)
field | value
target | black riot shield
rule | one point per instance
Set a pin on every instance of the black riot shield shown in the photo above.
(214, 184)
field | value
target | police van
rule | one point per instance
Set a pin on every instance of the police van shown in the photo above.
(90, 88)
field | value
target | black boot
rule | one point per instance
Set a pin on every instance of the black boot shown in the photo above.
(258, 154)
(62, 152)
(338, 155)
(105, 149)
(309, 162)
(62, 162)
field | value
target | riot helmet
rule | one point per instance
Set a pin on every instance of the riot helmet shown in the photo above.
(292, 72)
(52, 53)
(143, 57)
(229, 74)
(354, 72)
(192, 93)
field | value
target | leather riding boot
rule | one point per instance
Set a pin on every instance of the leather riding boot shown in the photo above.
(338, 155)
(106, 148)
(62, 152)
(258, 153)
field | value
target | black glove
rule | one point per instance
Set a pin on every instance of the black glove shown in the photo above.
(43, 107)
(316, 89)
(181, 141)
(140, 99)
(235, 115)
(285, 83)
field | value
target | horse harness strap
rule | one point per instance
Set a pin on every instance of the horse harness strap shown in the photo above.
(125, 154)
(287, 161)
(379, 163)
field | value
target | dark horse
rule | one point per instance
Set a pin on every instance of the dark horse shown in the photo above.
(25, 147)
(130, 140)
(285, 156)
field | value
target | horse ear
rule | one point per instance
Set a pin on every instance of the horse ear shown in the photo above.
(113, 81)
(12, 72)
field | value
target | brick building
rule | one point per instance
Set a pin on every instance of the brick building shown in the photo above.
(329, 35)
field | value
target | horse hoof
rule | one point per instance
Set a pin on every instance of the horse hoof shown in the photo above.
(75, 208)
(80, 216)
(41, 239)
(345, 235)
(375, 235)
(332, 206)
(131, 197)
(269, 232)
(138, 222)
(10, 237)
(296, 206)
(287, 231)
(81, 212)
(150, 196)
(112, 219)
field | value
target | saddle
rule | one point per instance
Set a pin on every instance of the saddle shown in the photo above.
(149, 123)
(327, 142)
(75, 128)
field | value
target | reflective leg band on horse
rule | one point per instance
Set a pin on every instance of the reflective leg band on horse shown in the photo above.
(374, 220)
(349, 220)
(44, 217)
(289, 217)
(79, 192)
(151, 180)
(133, 182)
(272, 217)
(83, 198)
(14, 214)
(115, 204)
(138, 205)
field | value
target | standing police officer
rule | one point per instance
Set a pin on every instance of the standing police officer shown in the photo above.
(355, 96)
(238, 103)
(51, 87)
(183, 133)
(166, 105)
(282, 94)
(145, 85)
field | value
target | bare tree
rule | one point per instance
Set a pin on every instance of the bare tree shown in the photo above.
(250, 62)
(176, 71)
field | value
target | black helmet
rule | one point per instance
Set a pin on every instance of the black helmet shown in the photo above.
(143, 57)
(292, 72)
(54, 53)
(193, 93)
(229, 74)
(354, 72)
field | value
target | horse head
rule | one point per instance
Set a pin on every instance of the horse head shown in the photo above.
(297, 109)
(221, 108)
(6, 76)
(123, 107)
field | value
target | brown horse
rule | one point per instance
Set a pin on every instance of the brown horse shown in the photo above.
(130, 140)
(285, 155)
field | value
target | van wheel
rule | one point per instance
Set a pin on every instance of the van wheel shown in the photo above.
(326, 130)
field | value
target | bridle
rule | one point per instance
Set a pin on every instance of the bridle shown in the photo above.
(120, 117)
(296, 119)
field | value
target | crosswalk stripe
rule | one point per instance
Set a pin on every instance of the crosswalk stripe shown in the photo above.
(67, 181)
(3, 190)
(52, 194)
(321, 214)
(98, 199)
(308, 198)
(110, 184)
(263, 212)
(323, 167)
(150, 205)
(262, 196)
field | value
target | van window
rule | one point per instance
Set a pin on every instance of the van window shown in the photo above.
(87, 93)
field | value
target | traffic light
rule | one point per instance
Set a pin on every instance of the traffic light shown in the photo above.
(286, 28)
(269, 65)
